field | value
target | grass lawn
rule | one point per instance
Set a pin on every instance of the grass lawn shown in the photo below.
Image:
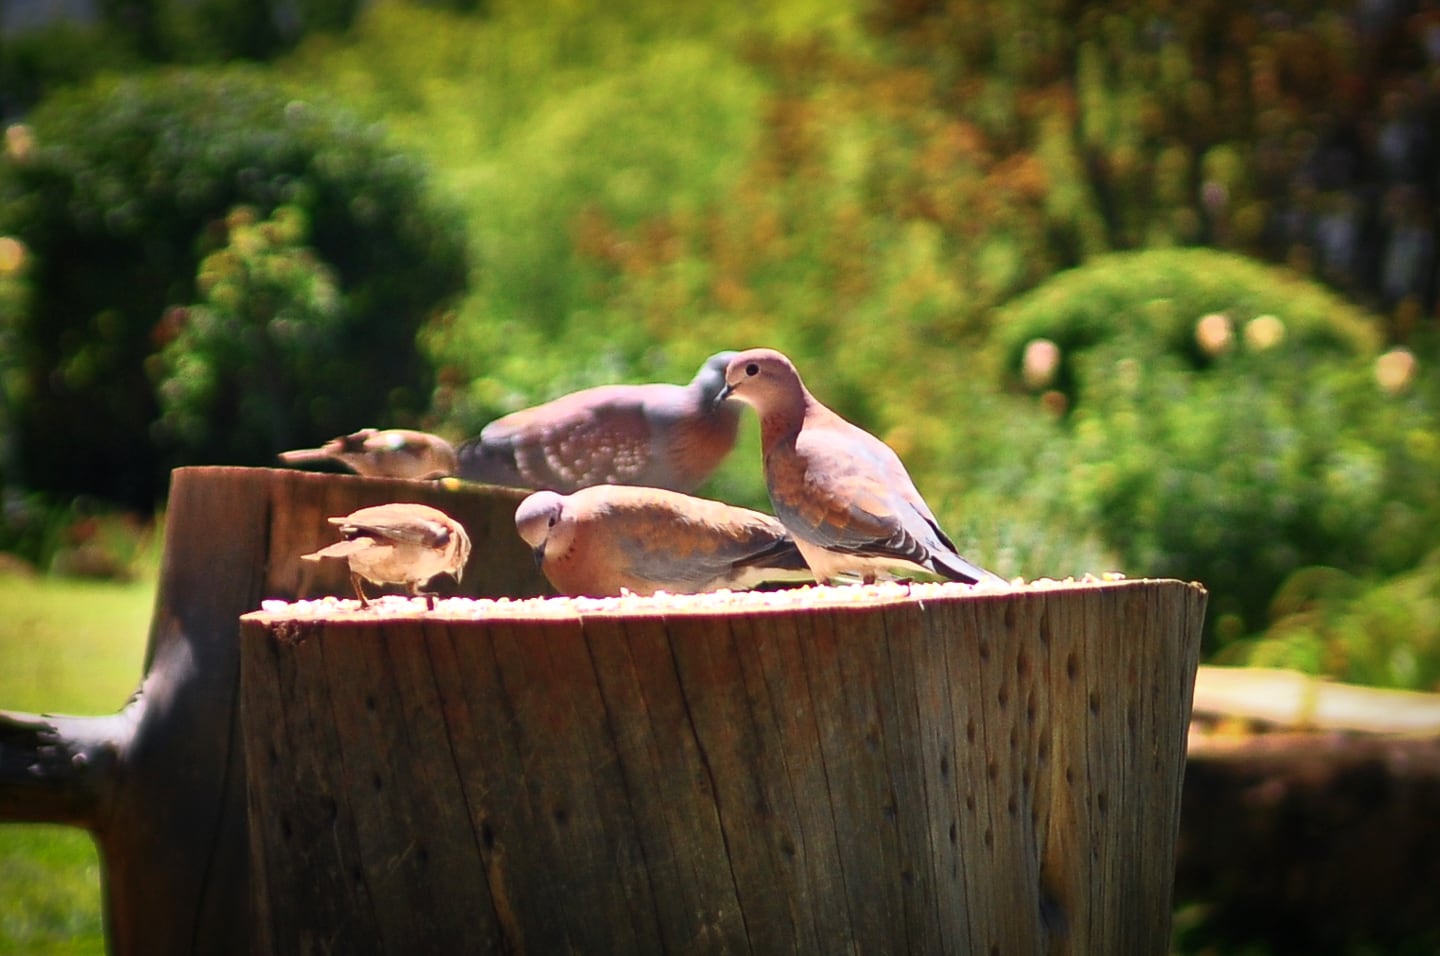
(71, 647)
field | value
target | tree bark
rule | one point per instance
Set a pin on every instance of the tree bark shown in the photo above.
(161, 784)
(951, 772)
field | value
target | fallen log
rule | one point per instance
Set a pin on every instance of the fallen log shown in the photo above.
(1287, 699)
(1306, 841)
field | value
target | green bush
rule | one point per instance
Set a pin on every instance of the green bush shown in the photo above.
(1225, 424)
(124, 191)
(1145, 305)
(262, 348)
(1385, 632)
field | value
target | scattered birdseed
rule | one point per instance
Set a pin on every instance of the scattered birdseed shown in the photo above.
(546, 608)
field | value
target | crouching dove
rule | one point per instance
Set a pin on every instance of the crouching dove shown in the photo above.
(598, 540)
(840, 491)
(392, 453)
(399, 544)
(658, 435)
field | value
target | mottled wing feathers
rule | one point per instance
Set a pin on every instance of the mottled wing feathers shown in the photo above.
(655, 434)
(700, 542)
(597, 436)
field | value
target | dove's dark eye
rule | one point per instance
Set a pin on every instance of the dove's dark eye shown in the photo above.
(752, 369)
(553, 519)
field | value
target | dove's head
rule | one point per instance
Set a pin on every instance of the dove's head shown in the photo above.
(710, 380)
(538, 519)
(766, 380)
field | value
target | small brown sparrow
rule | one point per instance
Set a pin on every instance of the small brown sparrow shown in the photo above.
(391, 453)
(399, 544)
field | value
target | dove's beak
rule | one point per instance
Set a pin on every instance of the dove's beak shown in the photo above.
(539, 556)
(724, 393)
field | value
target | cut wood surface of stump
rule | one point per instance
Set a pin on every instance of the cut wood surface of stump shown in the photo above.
(892, 768)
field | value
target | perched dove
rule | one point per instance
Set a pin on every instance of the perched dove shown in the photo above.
(399, 544)
(601, 539)
(663, 436)
(392, 453)
(841, 492)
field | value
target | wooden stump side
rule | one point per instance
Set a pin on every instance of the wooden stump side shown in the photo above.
(989, 773)
(163, 783)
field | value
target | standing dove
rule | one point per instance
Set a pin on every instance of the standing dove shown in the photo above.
(842, 492)
(601, 539)
(399, 544)
(392, 453)
(663, 436)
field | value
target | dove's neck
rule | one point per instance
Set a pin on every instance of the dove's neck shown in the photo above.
(781, 425)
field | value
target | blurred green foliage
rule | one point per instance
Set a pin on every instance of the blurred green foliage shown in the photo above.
(120, 191)
(1224, 423)
(1303, 134)
(1382, 632)
(262, 350)
(62, 48)
(54, 56)
(541, 120)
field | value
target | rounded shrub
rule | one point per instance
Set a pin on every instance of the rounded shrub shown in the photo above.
(123, 189)
(1195, 305)
(1226, 423)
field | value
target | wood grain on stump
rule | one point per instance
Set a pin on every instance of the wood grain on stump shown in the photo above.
(822, 771)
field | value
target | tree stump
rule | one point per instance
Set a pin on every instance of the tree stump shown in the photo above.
(161, 784)
(883, 769)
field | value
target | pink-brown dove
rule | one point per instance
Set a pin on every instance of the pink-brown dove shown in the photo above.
(840, 491)
(598, 540)
(400, 543)
(657, 435)
(391, 453)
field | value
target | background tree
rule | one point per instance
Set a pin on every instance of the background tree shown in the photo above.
(125, 188)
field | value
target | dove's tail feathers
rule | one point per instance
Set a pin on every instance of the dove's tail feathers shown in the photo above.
(956, 568)
(488, 464)
(781, 555)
